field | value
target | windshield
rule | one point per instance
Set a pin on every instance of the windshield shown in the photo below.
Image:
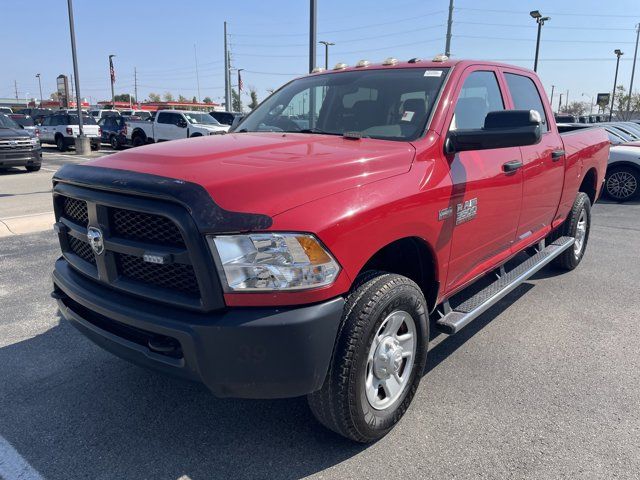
(86, 120)
(24, 121)
(203, 118)
(391, 104)
(6, 122)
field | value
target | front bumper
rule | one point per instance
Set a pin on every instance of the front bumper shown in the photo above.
(21, 159)
(239, 352)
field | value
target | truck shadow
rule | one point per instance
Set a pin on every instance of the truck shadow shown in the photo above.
(68, 406)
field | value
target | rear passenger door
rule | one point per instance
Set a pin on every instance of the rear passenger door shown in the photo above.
(485, 200)
(543, 164)
(167, 127)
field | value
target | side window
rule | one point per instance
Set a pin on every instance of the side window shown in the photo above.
(480, 94)
(526, 96)
(46, 121)
(164, 117)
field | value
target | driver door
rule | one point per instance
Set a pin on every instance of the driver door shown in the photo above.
(486, 201)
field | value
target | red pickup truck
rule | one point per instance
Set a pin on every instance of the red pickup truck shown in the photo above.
(310, 252)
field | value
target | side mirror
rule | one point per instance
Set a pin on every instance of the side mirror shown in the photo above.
(503, 128)
(182, 123)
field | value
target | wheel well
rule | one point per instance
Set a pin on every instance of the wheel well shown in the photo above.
(138, 133)
(589, 185)
(410, 257)
(58, 135)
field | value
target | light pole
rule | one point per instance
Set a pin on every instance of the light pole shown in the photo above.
(553, 87)
(326, 52)
(560, 104)
(540, 21)
(40, 85)
(112, 77)
(82, 142)
(240, 90)
(618, 53)
(633, 69)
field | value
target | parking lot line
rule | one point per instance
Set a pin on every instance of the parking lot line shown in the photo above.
(13, 466)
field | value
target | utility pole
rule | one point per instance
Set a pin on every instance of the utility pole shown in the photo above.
(618, 53)
(326, 52)
(633, 70)
(540, 21)
(313, 24)
(15, 86)
(195, 53)
(112, 77)
(135, 84)
(567, 99)
(240, 90)
(447, 46)
(82, 143)
(227, 87)
(39, 85)
(553, 87)
(560, 104)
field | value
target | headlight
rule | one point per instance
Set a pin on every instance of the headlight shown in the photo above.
(273, 261)
(35, 141)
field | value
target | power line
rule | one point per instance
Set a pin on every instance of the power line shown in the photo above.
(546, 26)
(546, 40)
(572, 14)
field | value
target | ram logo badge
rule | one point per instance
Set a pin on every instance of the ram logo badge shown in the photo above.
(466, 211)
(445, 213)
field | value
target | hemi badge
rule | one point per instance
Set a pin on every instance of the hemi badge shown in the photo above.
(158, 258)
(445, 213)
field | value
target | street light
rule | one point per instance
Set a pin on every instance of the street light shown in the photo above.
(618, 53)
(112, 77)
(240, 90)
(326, 52)
(540, 21)
(40, 85)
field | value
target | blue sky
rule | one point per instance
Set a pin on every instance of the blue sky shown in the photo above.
(269, 39)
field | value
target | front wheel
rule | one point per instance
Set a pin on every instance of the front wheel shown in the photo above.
(115, 144)
(33, 168)
(61, 146)
(578, 226)
(622, 183)
(138, 141)
(378, 360)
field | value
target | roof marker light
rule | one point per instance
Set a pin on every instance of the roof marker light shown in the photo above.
(415, 60)
(440, 58)
(390, 61)
(363, 63)
(340, 66)
(317, 70)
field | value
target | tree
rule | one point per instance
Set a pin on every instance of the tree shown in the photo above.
(54, 97)
(235, 103)
(182, 99)
(168, 97)
(207, 100)
(154, 97)
(620, 104)
(254, 98)
(124, 97)
(575, 108)
(194, 99)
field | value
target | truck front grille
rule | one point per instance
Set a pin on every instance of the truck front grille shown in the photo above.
(129, 237)
(145, 227)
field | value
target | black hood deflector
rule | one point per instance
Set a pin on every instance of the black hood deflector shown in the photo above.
(207, 214)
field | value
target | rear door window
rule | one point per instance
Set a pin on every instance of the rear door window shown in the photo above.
(525, 96)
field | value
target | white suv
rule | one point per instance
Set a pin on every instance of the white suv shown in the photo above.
(61, 129)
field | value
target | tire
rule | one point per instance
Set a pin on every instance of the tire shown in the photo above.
(95, 147)
(622, 183)
(113, 141)
(196, 135)
(32, 168)
(577, 225)
(353, 401)
(138, 141)
(60, 144)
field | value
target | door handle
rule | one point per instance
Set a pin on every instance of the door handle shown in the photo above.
(511, 166)
(557, 155)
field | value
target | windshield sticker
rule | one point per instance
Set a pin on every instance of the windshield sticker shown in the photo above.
(433, 73)
(407, 116)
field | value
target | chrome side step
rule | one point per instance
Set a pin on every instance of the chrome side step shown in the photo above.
(453, 321)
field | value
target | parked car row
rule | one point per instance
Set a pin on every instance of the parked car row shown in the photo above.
(18, 148)
(622, 181)
(172, 125)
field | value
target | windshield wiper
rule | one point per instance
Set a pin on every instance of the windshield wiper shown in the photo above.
(315, 130)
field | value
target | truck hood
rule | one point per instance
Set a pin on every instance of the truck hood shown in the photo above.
(268, 172)
(6, 133)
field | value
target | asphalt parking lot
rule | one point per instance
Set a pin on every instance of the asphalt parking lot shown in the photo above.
(544, 387)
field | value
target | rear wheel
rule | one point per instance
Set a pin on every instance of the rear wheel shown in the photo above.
(622, 183)
(32, 168)
(577, 225)
(60, 143)
(138, 141)
(115, 144)
(378, 360)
